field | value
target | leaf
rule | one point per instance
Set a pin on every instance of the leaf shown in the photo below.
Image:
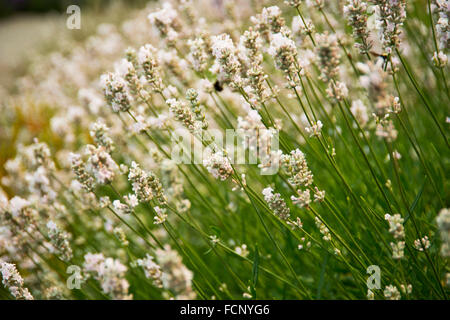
(255, 266)
(216, 231)
(416, 199)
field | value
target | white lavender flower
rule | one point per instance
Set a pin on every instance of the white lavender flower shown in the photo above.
(166, 21)
(151, 269)
(60, 241)
(422, 244)
(269, 21)
(303, 198)
(182, 113)
(391, 293)
(79, 168)
(224, 51)
(390, 17)
(328, 56)
(337, 90)
(110, 273)
(441, 7)
(12, 281)
(276, 203)
(160, 216)
(314, 129)
(148, 60)
(242, 250)
(293, 3)
(176, 277)
(440, 59)
(359, 110)
(326, 235)
(198, 55)
(116, 92)
(398, 249)
(218, 165)
(122, 208)
(145, 185)
(443, 222)
(99, 132)
(296, 167)
(396, 225)
(100, 164)
(284, 51)
(356, 11)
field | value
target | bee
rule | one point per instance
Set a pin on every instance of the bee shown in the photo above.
(382, 55)
(218, 86)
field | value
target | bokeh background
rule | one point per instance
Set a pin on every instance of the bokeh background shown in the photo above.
(31, 26)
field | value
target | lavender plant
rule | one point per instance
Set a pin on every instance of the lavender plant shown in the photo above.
(354, 91)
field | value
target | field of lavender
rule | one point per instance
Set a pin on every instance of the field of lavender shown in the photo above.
(231, 149)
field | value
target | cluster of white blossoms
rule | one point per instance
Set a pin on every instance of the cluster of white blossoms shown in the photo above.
(328, 60)
(20, 213)
(13, 281)
(116, 92)
(293, 3)
(122, 208)
(145, 185)
(100, 164)
(99, 132)
(175, 275)
(299, 176)
(183, 113)
(391, 293)
(276, 203)
(218, 165)
(395, 225)
(359, 110)
(297, 168)
(443, 222)
(356, 11)
(389, 18)
(160, 216)
(60, 241)
(148, 61)
(166, 21)
(126, 70)
(99, 167)
(441, 8)
(227, 62)
(442, 26)
(242, 250)
(198, 55)
(79, 169)
(375, 79)
(151, 269)
(110, 273)
(314, 129)
(398, 232)
(257, 90)
(440, 59)
(326, 235)
(422, 244)
(258, 139)
(109, 108)
(268, 21)
(327, 52)
(284, 51)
